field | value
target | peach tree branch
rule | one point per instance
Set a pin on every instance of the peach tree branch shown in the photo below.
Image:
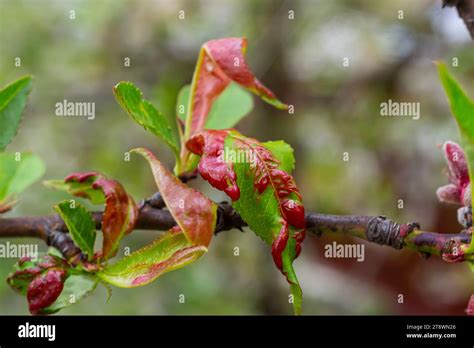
(375, 229)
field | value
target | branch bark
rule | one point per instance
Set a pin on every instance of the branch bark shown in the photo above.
(375, 229)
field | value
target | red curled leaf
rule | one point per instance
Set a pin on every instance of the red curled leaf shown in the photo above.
(194, 213)
(220, 62)
(119, 217)
(45, 289)
(169, 252)
(26, 269)
(120, 212)
(256, 176)
(212, 168)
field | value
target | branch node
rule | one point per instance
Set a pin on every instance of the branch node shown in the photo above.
(227, 218)
(384, 231)
(63, 242)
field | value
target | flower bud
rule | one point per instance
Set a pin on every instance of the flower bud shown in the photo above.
(459, 189)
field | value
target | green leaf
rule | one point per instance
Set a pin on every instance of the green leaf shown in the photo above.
(12, 104)
(79, 189)
(146, 115)
(228, 109)
(283, 153)
(76, 288)
(80, 224)
(471, 265)
(17, 172)
(170, 252)
(462, 108)
(257, 177)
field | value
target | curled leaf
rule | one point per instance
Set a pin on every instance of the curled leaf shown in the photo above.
(119, 217)
(26, 269)
(194, 212)
(195, 215)
(256, 176)
(172, 251)
(120, 212)
(45, 289)
(49, 283)
(41, 280)
(220, 62)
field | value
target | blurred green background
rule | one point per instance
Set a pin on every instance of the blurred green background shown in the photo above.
(336, 111)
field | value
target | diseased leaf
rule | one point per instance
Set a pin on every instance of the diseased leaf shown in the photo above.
(26, 269)
(256, 176)
(146, 115)
(120, 212)
(462, 108)
(79, 186)
(76, 288)
(12, 104)
(45, 289)
(228, 109)
(50, 283)
(220, 62)
(119, 217)
(80, 225)
(194, 212)
(195, 215)
(172, 251)
(17, 173)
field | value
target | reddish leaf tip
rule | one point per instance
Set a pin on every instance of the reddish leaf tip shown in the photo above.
(80, 177)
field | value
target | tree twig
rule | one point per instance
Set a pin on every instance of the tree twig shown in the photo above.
(375, 229)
